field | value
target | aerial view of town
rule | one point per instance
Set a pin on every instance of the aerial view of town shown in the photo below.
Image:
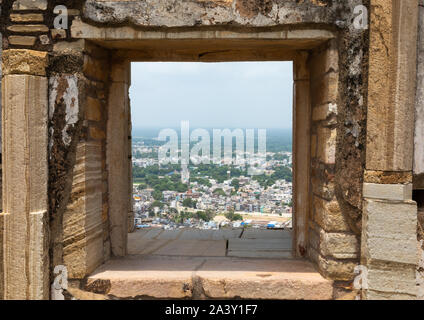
(212, 196)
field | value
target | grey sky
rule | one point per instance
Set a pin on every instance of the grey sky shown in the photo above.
(241, 94)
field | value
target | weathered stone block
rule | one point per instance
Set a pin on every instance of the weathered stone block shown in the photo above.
(323, 188)
(326, 145)
(95, 69)
(333, 269)
(26, 17)
(389, 231)
(339, 245)
(376, 295)
(22, 61)
(58, 33)
(326, 60)
(65, 46)
(400, 192)
(28, 28)
(82, 220)
(329, 216)
(387, 177)
(393, 279)
(22, 40)
(30, 5)
(93, 109)
(325, 89)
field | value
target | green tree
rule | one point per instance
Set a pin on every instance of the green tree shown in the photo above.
(188, 203)
(232, 216)
(219, 192)
(207, 215)
(157, 204)
(236, 184)
(157, 195)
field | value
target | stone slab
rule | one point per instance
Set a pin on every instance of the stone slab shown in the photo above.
(29, 5)
(146, 233)
(195, 234)
(389, 231)
(169, 234)
(259, 244)
(145, 246)
(172, 277)
(22, 61)
(200, 248)
(152, 277)
(263, 279)
(276, 254)
(266, 234)
(400, 192)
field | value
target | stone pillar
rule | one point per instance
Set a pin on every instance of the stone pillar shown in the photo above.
(419, 144)
(131, 215)
(389, 248)
(25, 175)
(83, 220)
(301, 153)
(117, 156)
(332, 243)
(419, 107)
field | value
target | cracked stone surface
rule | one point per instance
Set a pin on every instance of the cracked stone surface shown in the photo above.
(191, 264)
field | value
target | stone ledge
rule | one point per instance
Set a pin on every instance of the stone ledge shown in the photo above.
(80, 29)
(195, 277)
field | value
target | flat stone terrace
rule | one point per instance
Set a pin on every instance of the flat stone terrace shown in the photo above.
(209, 264)
(251, 243)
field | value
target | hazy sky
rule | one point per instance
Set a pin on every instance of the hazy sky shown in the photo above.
(240, 94)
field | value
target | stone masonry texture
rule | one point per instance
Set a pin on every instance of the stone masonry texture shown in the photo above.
(364, 153)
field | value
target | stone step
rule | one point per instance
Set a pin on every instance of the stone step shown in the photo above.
(203, 278)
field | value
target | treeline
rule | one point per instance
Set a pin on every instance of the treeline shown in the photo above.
(149, 178)
(279, 173)
(218, 173)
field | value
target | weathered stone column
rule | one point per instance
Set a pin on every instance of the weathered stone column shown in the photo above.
(419, 145)
(419, 107)
(117, 156)
(131, 215)
(25, 175)
(301, 153)
(389, 226)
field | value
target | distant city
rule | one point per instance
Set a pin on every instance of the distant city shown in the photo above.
(215, 195)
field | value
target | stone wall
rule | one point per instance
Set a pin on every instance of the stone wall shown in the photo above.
(361, 127)
(389, 246)
(333, 244)
(85, 221)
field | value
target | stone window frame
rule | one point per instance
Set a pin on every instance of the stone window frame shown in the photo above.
(227, 46)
